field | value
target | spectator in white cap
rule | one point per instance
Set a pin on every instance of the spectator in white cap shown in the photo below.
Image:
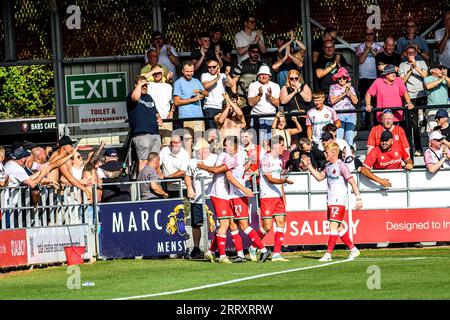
(264, 98)
(437, 156)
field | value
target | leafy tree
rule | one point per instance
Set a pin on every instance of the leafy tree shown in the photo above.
(26, 91)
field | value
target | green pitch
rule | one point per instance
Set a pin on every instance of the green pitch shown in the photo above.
(397, 273)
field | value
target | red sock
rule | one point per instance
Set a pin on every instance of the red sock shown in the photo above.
(346, 239)
(261, 233)
(213, 245)
(237, 240)
(253, 235)
(221, 242)
(279, 237)
(332, 241)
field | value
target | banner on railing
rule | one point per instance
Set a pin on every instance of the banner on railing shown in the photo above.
(13, 248)
(370, 226)
(46, 245)
(153, 228)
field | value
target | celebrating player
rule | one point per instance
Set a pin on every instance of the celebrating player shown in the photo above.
(220, 198)
(338, 176)
(239, 202)
(272, 196)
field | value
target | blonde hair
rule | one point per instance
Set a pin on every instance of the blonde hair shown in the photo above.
(333, 147)
(296, 72)
(318, 94)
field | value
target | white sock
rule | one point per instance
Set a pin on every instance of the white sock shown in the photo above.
(240, 253)
(263, 250)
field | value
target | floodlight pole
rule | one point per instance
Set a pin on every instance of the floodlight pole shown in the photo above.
(10, 34)
(57, 57)
(307, 39)
(157, 16)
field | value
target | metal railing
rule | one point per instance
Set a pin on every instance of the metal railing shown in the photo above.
(410, 189)
(22, 207)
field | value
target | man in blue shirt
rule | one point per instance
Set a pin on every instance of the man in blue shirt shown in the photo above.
(187, 93)
(144, 121)
(411, 37)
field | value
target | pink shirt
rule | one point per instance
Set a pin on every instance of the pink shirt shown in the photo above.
(388, 96)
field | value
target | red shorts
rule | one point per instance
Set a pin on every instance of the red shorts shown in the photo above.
(336, 213)
(240, 208)
(272, 207)
(222, 208)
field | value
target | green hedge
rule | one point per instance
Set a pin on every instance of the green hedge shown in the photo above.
(26, 91)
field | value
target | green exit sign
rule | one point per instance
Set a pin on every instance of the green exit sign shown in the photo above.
(96, 88)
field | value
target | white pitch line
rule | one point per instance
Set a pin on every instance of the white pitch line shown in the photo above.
(230, 281)
(392, 259)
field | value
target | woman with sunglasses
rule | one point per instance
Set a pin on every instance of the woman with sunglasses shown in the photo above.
(296, 96)
(343, 97)
(77, 166)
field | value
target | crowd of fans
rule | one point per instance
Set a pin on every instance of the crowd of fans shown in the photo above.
(180, 118)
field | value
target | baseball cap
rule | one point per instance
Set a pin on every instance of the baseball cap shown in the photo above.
(20, 153)
(29, 145)
(441, 113)
(436, 135)
(386, 135)
(326, 136)
(111, 152)
(112, 166)
(65, 140)
(389, 68)
(200, 144)
(436, 65)
(411, 46)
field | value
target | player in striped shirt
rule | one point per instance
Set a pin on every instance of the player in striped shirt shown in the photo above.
(338, 177)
